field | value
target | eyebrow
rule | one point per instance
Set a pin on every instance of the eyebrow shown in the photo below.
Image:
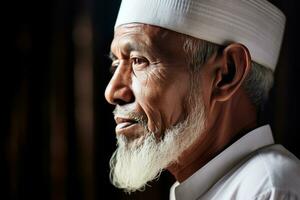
(126, 48)
(112, 56)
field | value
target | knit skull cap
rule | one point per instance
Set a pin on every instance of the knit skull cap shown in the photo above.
(257, 24)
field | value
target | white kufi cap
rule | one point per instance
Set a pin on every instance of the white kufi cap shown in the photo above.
(257, 24)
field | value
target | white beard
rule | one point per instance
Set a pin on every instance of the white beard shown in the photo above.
(133, 166)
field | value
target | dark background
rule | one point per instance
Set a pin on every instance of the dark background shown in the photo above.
(57, 131)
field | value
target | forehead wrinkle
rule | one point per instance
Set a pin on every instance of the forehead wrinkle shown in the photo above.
(141, 36)
(127, 43)
(155, 41)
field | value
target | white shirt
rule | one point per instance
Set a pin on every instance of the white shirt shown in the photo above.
(252, 168)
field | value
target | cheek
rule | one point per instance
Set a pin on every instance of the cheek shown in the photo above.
(147, 96)
(162, 98)
(175, 102)
(149, 85)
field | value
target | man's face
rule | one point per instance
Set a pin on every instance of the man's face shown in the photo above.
(158, 114)
(151, 79)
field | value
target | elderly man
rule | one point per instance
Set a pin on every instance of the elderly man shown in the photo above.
(189, 79)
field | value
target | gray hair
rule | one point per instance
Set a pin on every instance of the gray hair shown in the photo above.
(257, 83)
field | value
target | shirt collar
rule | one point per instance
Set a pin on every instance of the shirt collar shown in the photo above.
(209, 174)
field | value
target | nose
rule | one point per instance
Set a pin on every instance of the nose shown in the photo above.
(118, 90)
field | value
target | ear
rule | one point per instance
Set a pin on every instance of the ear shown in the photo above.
(230, 74)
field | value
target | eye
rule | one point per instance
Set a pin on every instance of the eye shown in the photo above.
(139, 62)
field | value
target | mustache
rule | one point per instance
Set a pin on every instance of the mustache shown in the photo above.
(131, 114)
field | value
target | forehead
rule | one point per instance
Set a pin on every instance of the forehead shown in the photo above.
(141, 36)
(138, 28)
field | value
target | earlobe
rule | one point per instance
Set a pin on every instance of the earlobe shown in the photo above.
(233, 69)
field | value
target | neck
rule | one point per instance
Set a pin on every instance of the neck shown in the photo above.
(227, 122)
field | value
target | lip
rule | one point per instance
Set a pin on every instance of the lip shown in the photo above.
(126, 126)
(127, 129)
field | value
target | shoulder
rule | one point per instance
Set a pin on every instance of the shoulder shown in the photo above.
(268, 172)
(276, 165)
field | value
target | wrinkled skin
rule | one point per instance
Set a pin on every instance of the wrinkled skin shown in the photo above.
(152, 78)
